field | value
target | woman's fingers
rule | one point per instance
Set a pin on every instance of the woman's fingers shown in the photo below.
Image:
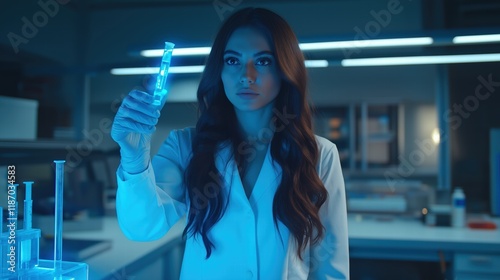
(140, 101)
(142, 96)
(137, 116)
(128, 120)
(126, 124)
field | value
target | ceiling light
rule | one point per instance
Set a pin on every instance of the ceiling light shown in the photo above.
(474, 39)
(420, 41)
(177, 52)
(154, 70)
(316, 63)
(415, 60)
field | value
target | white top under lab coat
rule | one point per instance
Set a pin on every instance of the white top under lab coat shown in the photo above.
(247, 244)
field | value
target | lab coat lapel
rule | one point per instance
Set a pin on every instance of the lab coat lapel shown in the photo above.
(268, 178)
(233, 187)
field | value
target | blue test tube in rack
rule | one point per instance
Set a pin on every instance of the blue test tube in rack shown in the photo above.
(29, 244)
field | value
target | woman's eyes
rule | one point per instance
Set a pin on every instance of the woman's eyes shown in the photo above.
(231, 61)
(262, 61)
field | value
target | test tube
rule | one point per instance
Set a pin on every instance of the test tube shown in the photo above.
(26, 244)
(160, 88)
(58, 216)
(28, 205)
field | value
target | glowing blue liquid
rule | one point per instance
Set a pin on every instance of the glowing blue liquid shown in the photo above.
(28, 259)
(159, 96)
(161, 82)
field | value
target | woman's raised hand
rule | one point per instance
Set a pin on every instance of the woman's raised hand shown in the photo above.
(134, 124)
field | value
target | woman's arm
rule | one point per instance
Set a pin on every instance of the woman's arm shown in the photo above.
(148, 204)
(330, 257)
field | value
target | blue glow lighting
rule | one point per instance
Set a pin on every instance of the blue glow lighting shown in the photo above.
(397, 42)
(155, 70)
(416, 60)
(316, 63)
(177, 52)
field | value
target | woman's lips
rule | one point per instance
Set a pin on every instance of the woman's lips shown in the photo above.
(247, 94)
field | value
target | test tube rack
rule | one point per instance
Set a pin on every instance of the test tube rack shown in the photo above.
(19, 253)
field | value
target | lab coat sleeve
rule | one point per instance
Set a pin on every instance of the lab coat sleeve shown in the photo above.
(150, 203)
(330, 257)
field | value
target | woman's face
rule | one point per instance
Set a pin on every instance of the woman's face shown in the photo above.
(250, 73)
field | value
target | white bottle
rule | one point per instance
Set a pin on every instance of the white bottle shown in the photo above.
(458, 208)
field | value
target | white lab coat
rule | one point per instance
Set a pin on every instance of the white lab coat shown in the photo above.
(247, 244)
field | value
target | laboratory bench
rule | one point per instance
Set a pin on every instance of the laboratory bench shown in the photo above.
(468, 253)
(126, 259)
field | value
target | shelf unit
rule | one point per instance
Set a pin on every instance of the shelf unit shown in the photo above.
(366, 135)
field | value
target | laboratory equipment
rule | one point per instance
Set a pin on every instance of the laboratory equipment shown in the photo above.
(160, 91)
(437, 215)
(58, 217)
(404, 199)
(20, 247)
(28, 247)
(458, 208)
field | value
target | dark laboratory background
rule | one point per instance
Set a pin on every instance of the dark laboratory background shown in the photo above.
(417, 130)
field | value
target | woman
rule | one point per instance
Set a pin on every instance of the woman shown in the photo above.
(264, 197)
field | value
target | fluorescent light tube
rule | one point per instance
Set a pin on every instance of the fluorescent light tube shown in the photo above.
(154, 70)
(186, 69)
(474, 39)
(415, 60)
(316, 63)
(177, 52)
(135, 71)
(419, 41)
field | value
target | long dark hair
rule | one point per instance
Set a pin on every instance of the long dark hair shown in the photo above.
(301, 193)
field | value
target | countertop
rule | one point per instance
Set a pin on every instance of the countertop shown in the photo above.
(368, 237)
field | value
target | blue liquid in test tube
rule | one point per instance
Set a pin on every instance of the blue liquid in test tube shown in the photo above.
(161, 81)
(26, 256)
(28, 205)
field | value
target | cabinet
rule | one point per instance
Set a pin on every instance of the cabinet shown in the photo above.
(366, 135)
(334, 123)
(466, 253)
(476, 266)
